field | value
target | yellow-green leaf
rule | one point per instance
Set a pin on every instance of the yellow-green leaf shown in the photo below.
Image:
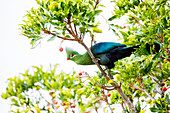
(96, 30)
(110, 81)
(38, 110)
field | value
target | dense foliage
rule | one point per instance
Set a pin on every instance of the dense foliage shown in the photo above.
(143, 77)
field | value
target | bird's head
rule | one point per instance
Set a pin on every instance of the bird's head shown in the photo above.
(71, 53)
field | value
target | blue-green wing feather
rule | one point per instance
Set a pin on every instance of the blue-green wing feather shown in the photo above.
(104, 47)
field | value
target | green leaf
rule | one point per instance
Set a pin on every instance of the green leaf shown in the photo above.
(158, 55)
(148, 69)
(4, 96)
(97, 12)
(52, 38)
(167, 98)
(38, 2)
(33, 41)
(158, 105)
(153, 109)
(112, 18)
(125, 35)
(138, 107)
(82, 29)
(54, 23)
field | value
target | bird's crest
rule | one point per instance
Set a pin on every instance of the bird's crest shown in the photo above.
(70, 53)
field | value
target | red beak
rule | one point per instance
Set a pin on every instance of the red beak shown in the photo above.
(68, 58)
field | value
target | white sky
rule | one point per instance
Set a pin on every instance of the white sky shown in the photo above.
(15, 53)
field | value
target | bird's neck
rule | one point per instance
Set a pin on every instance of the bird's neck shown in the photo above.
(83, 59)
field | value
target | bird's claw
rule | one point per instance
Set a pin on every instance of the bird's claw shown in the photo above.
(95, 60)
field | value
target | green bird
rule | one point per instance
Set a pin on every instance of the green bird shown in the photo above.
(107, 53)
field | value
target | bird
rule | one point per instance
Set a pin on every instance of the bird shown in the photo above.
(107, 53)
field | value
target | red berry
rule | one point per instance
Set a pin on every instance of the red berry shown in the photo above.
(73, 106)
(55, 102)
(80, 73)
(86, 112)
(164, 89)
(108, 94)
(124, 27)
(60, 49)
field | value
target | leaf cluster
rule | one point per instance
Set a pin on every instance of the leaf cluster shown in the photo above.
(38, 89)
(56, 17)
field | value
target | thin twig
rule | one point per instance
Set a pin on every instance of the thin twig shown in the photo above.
(96, 109)
(75, 30)
(32, 111)
(168, 53)
(97, 2)
(137, 21)
(143, 88)
(106, 21)
(47, 101)
(135, 87)
(44, 98)
(64, 38)
(123, 107)
(106, 100)
(73, 34)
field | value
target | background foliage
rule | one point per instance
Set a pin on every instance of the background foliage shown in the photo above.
(143, 77)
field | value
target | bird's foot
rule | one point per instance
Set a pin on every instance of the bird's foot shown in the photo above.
(96, 60)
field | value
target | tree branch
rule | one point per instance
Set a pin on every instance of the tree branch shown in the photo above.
(105, 87)
(66, 38)
(143, 88)
(110, 75)
(135, 87)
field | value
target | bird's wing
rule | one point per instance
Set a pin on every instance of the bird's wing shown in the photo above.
(104, 47)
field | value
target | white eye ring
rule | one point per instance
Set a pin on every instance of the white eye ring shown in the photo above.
(72, 55)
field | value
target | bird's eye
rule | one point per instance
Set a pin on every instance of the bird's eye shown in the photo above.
(72, 55)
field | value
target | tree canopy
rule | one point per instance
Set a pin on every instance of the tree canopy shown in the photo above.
(139, 83)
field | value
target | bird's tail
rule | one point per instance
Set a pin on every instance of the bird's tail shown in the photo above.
(128, 50)
(150, 48)
(123, 52)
